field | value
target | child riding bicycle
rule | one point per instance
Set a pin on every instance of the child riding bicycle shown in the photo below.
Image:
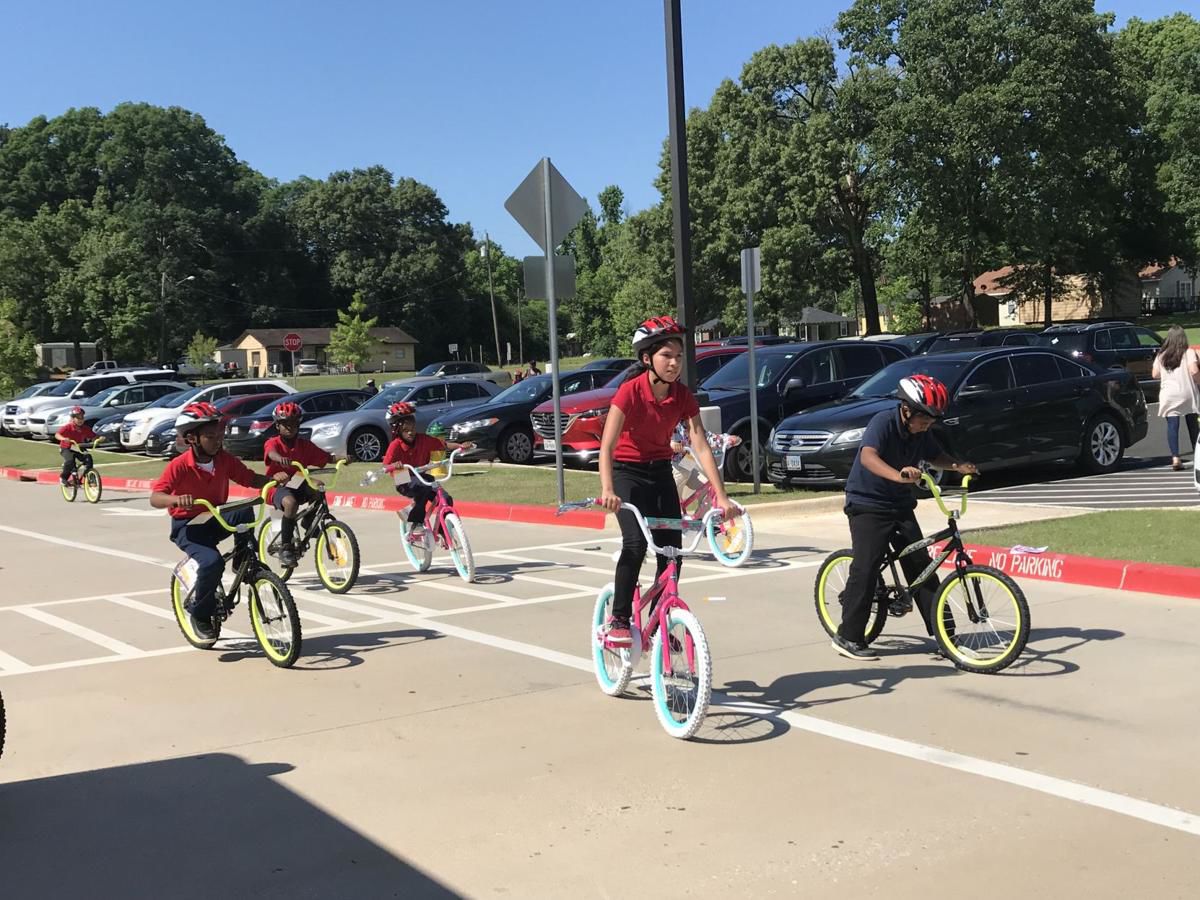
(78, 431)
(413, 448)
(880, 502)
(279, 453)
(635, 457)
(204, 471)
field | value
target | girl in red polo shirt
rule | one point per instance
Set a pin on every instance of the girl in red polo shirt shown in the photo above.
(413, 448)
(635, 456)
(205, 471)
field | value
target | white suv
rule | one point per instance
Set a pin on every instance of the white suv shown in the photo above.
(137, 425)
(16, 412)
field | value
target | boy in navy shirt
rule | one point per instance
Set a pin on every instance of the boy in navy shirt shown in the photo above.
(880, 502)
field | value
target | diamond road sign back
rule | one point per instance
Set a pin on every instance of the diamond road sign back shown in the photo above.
(535, 277)
(528, 206)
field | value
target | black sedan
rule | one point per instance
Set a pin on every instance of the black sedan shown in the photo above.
(246, 435)
(1009, 406)
(501, 428)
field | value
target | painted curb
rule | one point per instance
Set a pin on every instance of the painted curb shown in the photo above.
(503, 512)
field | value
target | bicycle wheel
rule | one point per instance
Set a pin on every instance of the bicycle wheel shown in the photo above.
(179, 595)
(274, 617)
(337, 557)
(460, 547)
(269, 535)
(3, 725)
(613, 667)
(69, 490)
(731, 542)
(831, 581)
(93, 487)
(982, 619)
(681, 698)
(420, 554)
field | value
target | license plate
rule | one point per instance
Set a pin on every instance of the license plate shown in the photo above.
(234, 430)
(795, 462)
(549, 445)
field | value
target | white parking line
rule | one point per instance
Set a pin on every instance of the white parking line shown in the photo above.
(151, 610)
(80, 631)
(12, 665)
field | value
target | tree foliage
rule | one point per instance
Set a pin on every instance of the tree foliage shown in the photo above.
(16, 351)
(350, 342)
(202, 349)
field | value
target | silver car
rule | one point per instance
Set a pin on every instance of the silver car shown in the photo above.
(364, 434)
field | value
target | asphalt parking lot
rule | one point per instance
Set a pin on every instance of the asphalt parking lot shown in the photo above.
(443, 739)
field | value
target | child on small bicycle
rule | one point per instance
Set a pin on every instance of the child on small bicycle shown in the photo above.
(279, 453)
(880, 503)
(204, 471)
(635, 457)
(413, 448)
(78, 431)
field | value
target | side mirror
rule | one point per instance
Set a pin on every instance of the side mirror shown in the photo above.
(793, 384)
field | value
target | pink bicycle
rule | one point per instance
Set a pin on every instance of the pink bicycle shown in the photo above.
(680, 660)
(731, 541)
(442, 524)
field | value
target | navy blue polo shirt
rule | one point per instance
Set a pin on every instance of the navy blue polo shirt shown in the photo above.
(897, 447)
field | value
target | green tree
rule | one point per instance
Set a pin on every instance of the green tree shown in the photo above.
(202, 349)
(16, 351)
(350, 342)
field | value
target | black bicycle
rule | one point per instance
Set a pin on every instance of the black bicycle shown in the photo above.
(981, 615)
(85, 476)
(273, 613)
(337, 547)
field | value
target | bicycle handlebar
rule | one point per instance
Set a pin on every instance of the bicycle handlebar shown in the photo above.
(714, 513)
(78, 448)
(306, 474)
(260, 501)
(448, 462)
(936, 493)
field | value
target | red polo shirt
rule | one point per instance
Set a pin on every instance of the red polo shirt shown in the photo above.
(649, 423)
(302, 451)
(72, 432)
(400, 454)
(183, 476)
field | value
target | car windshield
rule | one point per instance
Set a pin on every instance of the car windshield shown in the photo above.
(64, 388)
(957, 342)
(386, 398)
(31, 391)
(884, 382)
(431, 369)
(909, 342)
(1066, 341)
(101, 398)
(735, 375)
(169, 400)
(528, 390)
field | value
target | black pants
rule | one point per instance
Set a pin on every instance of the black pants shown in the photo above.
(303, 494)
(651, 488)
(421, 495)
(70, 459)
(872, 531)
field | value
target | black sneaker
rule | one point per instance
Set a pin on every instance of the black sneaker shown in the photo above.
(203, 627)
(288, 558)
(852, 649)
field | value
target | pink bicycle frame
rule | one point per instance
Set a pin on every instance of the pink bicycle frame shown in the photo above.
(665, 589)
(435, 519)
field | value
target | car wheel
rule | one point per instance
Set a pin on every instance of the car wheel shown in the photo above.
(738, 462)
(1103, 445)
(516, 446)
(367, 445)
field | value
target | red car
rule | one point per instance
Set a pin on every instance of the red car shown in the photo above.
(584, 413)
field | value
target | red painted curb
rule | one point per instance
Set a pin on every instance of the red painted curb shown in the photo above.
(504, 512)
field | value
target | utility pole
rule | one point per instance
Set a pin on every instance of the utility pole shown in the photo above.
(162, 314)
(681, 213)
(487, 255)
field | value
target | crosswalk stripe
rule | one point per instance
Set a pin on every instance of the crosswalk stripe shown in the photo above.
(160, 613)
(79, 631)
(12, 664)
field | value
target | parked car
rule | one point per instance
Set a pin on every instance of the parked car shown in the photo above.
(1120, 345)
(608, 363)
(364, 434)
(308, 367)
(766, 340)
(991, 337)
(34, 390)
(189, 369)
(1009, 406)
(100, 365)
(161, 441)
(137, 425)
(122, 399)
(912, 344)
(500, 427)
(109, 427)
(466, 369)
(247, 434)
(584, 413)
(70, 391)
(790, 377)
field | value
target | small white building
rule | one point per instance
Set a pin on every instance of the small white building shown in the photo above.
(1168, 288)
(61, 354)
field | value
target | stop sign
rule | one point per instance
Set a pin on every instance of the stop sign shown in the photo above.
(292, 343)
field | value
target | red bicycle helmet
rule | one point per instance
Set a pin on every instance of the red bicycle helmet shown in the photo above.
(654, 330)
(400, 411)
(287, 411)
(925, 394)
(77, 411)
(194, 415)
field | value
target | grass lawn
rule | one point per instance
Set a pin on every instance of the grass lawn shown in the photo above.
(1154, 536)
(1189, 321)
(18, 453)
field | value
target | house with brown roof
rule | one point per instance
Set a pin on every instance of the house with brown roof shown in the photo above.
(1077, 297)
(262, 348)
(1169, 288)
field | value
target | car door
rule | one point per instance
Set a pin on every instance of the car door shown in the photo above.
(429, 400)
(1048, 405)
(983, 424)
(811, 379)
(1129, 354)
(1149, 343)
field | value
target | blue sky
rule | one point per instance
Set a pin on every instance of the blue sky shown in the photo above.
(465, 96)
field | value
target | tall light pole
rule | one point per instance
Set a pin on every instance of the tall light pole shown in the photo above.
(487, 255)
(162, 313)
(681, 212)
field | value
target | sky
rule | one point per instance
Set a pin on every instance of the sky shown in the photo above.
(465, 96)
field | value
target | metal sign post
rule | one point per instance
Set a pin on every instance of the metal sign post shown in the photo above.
(291, 343)
(547, 207)
(751, 281)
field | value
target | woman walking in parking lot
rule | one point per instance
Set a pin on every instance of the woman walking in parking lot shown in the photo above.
(1177, 368)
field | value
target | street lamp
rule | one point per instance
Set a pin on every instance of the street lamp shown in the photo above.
(162, 313)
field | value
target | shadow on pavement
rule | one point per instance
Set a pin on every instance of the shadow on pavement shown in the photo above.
(1037, 657)
(336, 651)
(788, 692)
(736, 727)
(200, 827)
